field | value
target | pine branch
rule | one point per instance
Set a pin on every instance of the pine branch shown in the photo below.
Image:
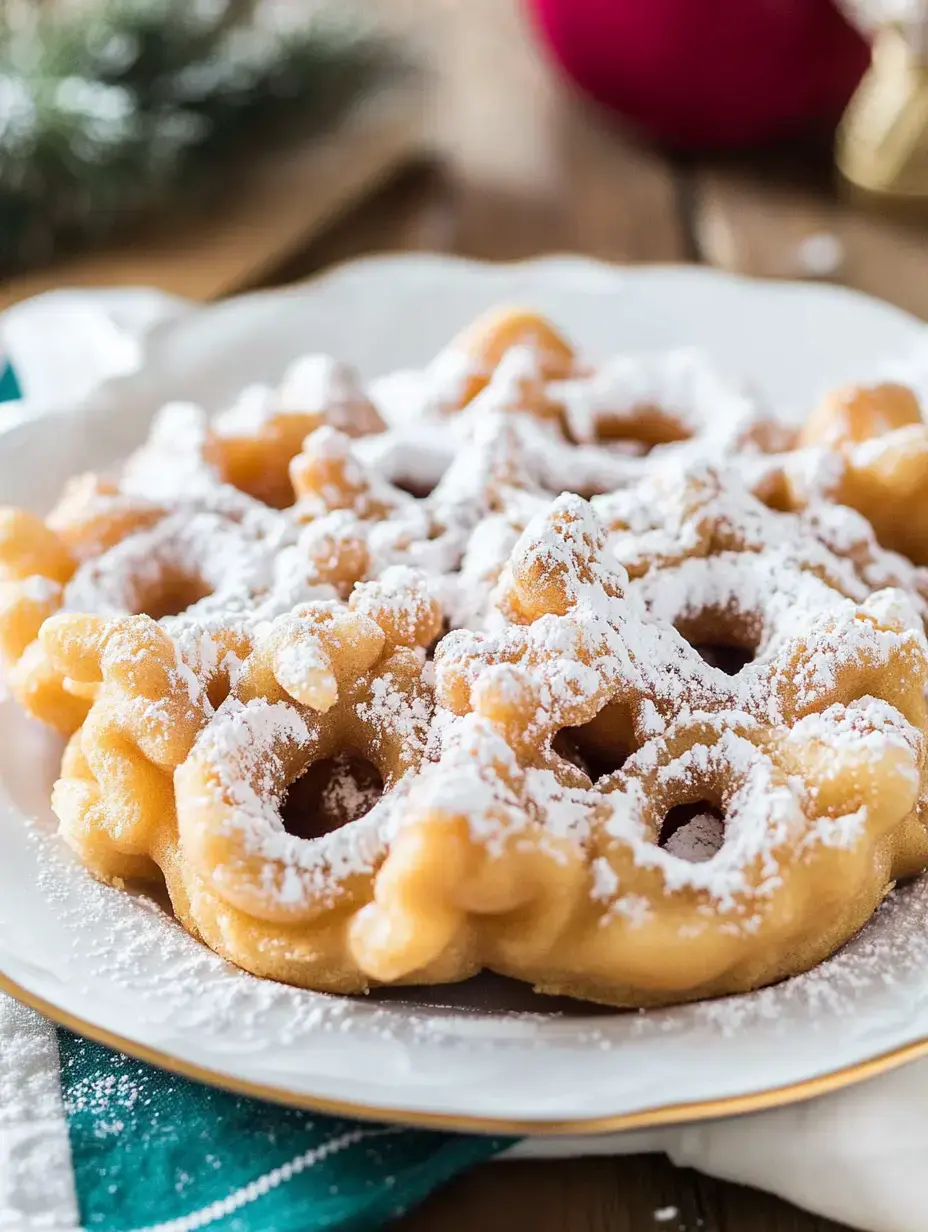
(136, 105)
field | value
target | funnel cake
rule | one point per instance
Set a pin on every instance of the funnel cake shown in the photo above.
(813, 756)
(104, 552)
(156, 690)
(459, 533)
(38, 560)
(591, 673)
(588, 427)
(643, 401)
(148, 685)
(152, 692)
(329, 681)
(688, 511)
(466, 366)
(450, 489)
(867, 447)
(249, 445)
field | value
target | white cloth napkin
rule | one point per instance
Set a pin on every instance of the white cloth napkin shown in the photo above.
(63, 344)
(853, 1156)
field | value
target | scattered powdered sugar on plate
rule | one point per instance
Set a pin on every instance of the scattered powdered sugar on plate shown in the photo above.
(664, 1214)
(132, 943)
(878, 974)
(130, 947)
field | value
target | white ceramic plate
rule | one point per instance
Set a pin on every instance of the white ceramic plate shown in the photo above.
(486, 1055)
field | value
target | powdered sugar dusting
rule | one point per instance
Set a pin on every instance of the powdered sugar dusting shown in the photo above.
(681, 383)
(243, 746)
(128, 944)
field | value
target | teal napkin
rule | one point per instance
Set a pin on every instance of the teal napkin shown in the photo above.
(152, 1152)
(9, 389)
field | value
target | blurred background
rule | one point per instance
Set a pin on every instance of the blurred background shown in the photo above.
(212, 146)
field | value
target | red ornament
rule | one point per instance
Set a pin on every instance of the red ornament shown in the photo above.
(709, 72)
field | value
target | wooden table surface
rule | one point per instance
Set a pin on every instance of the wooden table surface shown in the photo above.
(521, 167)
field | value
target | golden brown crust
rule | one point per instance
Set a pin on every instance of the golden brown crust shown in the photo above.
(881, 469)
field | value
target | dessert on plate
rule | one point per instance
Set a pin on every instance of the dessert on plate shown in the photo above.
(593, 673)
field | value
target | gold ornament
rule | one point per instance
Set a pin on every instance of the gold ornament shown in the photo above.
(882, 141)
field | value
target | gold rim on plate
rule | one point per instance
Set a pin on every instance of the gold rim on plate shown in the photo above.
(670, 1114)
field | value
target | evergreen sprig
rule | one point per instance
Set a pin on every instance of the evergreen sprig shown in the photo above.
(117, 110)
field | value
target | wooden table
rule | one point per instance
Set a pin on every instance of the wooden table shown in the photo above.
(520, 167)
